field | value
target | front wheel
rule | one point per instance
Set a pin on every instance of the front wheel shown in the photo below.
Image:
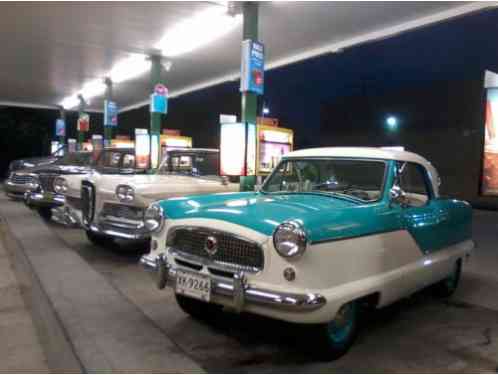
(196, 308)
(99, 239)
(45, 213)
(336, 337)
(447, 286)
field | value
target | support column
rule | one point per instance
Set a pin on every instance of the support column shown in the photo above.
(62, 116)
(108, 97)
(155, 118)
(81, 135)
(249, 100)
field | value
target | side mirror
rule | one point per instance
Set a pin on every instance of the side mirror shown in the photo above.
(397, 196)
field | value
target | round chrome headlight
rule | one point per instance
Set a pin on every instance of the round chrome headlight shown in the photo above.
(290, 239)
(154, 218)
(125, 193)
(60, 185)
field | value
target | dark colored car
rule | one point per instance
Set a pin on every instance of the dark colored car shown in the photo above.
(32, 162)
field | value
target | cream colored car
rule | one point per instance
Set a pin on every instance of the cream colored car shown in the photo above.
(113, 206)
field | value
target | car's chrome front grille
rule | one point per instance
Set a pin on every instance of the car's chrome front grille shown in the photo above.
(47, 181)
(22, 179)
(123, 211)
(87, 201)
(231, 251)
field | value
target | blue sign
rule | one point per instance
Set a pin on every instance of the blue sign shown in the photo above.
(60, 128)
(159, 103)
(252, 67)
(110, 114)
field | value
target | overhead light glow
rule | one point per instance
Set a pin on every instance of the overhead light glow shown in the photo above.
(187, 35)
(266, 110)
(392, 122)
(129, 68)
(196, 31)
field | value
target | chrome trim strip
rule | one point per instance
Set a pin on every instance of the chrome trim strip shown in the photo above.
(236, 293)
(119, 232)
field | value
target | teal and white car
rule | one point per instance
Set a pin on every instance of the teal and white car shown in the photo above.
(331, 230)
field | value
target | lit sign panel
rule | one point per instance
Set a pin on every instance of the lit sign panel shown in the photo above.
(252, 67)
(489, 184)
(110, 113)
(238, 149)
(142, 148)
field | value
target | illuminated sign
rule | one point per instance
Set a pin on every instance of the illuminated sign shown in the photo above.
(60, 127)
(154, 150)
(275, 136)
(83, 124)
(142, 148)
(71, 145)
(238, 149)
(110, 114)
(489, 183)
(252, 67)
(159, 99)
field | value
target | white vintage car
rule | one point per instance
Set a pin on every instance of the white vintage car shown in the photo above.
(113, 206)
(67, 188)
(330, 230)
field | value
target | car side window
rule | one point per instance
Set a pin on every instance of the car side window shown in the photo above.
(413, 181)
(129, 161)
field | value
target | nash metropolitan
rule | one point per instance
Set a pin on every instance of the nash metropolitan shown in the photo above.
(113, 207)
(331, 230)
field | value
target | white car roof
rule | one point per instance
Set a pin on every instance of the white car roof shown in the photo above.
(360, 152)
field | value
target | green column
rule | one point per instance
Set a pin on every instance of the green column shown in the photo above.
(249, 100)
(81, 135)
(155, 118)
(62, 115)
(108, 97)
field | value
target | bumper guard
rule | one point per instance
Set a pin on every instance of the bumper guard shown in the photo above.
(237, 292)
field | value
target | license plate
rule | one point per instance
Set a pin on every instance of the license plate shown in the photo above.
(193, 285)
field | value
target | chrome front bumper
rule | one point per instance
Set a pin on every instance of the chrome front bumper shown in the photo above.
(43, 199)
(18, 190)
(120, 228)
(236, 292)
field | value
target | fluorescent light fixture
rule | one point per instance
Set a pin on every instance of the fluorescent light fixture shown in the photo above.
(199, 30)
(194, 32)
(129, 68)
(266, 110)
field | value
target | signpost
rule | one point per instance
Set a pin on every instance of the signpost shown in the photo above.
(158, 107)
(251, 74)
(83, 124)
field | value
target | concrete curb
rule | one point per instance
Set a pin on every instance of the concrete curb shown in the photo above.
(84, 323)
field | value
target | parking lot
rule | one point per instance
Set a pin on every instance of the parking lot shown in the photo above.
(419, 334)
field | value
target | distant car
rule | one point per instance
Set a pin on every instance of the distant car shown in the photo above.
(67, 187)
(113, 206)
(330, 231)
(35, 185)
(32, 162)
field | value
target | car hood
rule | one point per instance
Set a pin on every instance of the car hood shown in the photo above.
(323, 217)
(154, 187)
(60, 169)
(32, 162)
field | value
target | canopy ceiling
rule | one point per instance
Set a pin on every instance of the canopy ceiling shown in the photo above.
(50, 50)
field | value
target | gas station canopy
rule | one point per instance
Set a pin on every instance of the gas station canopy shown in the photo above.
(54, 51)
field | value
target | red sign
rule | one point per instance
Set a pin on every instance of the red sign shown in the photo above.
(160, 89)
(83, 124)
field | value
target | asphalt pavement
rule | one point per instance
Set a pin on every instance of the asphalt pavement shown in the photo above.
(420, 334)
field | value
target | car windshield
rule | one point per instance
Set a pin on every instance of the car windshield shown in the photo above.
(201, 164)
(113, 161)
(76, 159)
(348, 178)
